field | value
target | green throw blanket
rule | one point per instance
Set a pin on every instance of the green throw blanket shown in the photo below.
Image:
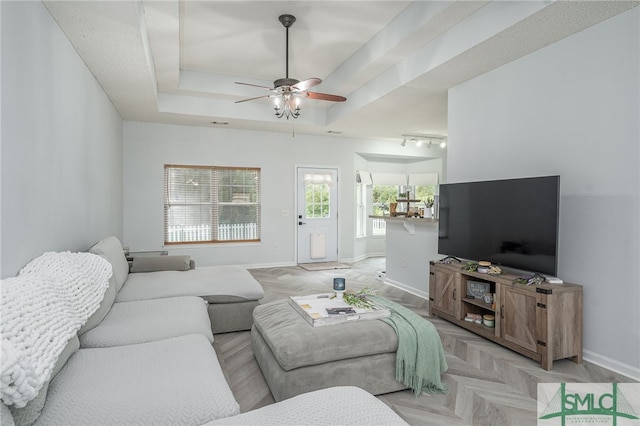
(420, 359)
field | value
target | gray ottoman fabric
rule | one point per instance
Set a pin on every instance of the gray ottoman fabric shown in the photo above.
(296, 358)
(227, 317)
(374, 373)
(142, 321)
(155, 383)
(345, 405)
(295, 343)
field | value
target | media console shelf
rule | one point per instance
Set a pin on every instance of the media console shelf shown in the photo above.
(542, 322)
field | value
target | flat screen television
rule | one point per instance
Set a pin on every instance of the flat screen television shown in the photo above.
(512, 222)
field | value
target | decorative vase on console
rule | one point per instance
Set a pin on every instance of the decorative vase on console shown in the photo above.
(392, 208)
(428, 211)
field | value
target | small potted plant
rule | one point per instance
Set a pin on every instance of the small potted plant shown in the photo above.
(428, 210)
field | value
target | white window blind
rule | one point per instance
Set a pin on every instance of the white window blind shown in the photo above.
(389, 178)
(364, 177)
(211, 204)
(430, 179)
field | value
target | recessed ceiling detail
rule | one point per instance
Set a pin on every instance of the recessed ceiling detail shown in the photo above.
(177, 61)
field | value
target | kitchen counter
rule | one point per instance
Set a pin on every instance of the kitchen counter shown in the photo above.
(421, 220)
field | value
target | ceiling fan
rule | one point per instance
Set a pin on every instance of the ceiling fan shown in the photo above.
(288, 91)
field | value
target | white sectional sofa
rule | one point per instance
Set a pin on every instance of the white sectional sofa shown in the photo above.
(143, 361)
(230, 291)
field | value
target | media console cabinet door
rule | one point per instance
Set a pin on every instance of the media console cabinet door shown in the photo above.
(518, 310)
(444, 291)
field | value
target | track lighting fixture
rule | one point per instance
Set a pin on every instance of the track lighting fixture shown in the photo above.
(419, 140)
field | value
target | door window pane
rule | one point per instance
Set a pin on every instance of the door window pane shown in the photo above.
(317, 201)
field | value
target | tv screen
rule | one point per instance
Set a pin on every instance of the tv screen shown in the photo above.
(512, 223)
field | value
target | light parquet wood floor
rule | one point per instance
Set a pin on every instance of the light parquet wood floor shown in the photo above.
(487, 384)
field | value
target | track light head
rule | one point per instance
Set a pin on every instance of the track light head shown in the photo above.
(423, 139)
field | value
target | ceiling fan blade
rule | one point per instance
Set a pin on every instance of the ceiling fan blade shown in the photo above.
(325, 97)
(254, 85)
(307, 84)
(252, 99)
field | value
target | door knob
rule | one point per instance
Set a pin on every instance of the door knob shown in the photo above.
(302, 223)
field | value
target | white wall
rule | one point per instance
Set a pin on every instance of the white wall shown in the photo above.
(571, 109)
(61, 143)
(147, 147)
(410, 247)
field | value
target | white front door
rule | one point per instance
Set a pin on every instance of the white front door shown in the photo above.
(317, 213)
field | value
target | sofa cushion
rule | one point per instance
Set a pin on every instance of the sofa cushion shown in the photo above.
(342, 405)
(28, 414)
(73, 345)
(5, 416)
(147, 320)
(110, 248)
(160, 263)
(216, 284)
(103, 309)
(175, 381)
(295, 343)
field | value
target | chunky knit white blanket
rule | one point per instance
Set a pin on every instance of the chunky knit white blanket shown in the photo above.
(42, 308)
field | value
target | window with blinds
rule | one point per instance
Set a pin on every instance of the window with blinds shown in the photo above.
(211, 204)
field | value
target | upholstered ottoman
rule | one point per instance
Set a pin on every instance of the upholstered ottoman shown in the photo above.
(296, 357)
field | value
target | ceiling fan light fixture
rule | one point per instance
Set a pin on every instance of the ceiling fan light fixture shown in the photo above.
(288, 91)
(290, 106)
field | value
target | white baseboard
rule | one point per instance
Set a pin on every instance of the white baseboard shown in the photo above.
(408, 289)
(268, 265)
(359, 258)
(611, 364)
(381, 254)
(352, 259)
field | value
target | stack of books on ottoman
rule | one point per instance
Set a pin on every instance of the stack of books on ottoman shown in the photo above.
(327, 309)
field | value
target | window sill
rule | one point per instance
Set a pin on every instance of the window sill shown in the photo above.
(211, 245)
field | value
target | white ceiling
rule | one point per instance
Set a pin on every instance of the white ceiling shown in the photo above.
(177, 61)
